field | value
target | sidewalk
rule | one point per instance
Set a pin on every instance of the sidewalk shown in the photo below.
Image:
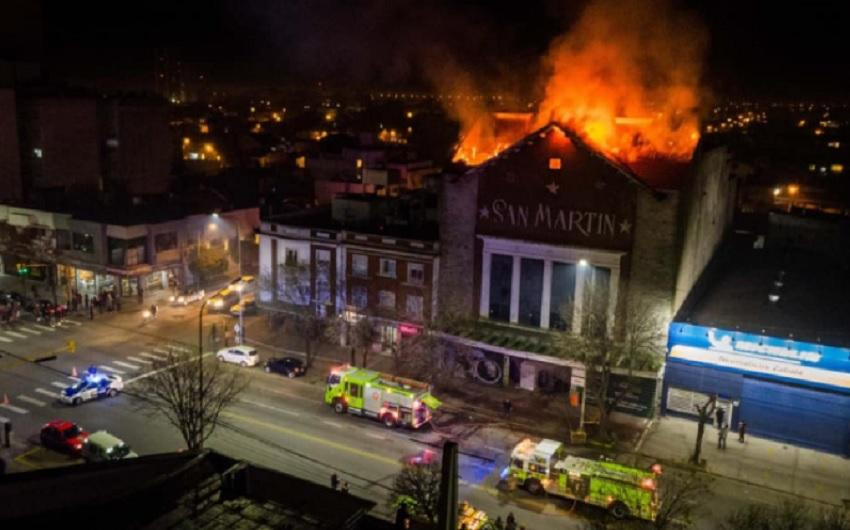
(803, 472)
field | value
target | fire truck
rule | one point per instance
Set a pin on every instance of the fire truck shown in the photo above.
(392, 400)
(625, 491)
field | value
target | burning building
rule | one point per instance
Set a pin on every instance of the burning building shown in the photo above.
(546, 221)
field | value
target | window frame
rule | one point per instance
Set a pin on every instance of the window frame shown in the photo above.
(411, 266)
(354, 268)
(381, 263)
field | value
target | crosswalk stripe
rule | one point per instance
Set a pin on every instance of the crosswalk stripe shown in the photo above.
(28, 330)
(74, 322)
(16, 334)
(111, 369)
(160, 350)
(13, 408)
(57, 384)
(137, 360)
(46, 328)
(182, 348)
(126, 365)
(152, 356)
(47, 392)
(4, 339)
(34, 401)
(75, 379)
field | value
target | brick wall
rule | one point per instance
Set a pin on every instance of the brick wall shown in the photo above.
(458, 217)
(652, 267)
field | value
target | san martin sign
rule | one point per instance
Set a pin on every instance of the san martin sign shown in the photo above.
(543, 216)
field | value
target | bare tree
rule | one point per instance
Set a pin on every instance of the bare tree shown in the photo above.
(704, 413)
(681, 494)
(602, 348)
(362, 336)
(191, 393)
(418, 487)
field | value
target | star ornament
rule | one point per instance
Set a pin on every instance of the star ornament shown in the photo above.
(484, 213)
(625, 227)
(553, 188)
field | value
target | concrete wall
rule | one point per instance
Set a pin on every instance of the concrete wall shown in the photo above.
(708, 204)
(458, 216)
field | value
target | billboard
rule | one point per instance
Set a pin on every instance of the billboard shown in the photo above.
(768, 357)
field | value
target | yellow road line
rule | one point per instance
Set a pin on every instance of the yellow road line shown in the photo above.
(314, 439)
(20, 458)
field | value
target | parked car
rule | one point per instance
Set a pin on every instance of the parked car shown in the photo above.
(288, 366)
(241, 355)
(101, 446)
(186, 297)
(63, 436)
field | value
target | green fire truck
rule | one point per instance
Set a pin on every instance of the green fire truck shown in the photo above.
(625, 491)
(392, 400)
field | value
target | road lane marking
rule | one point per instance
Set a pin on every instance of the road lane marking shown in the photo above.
(332, 423)
(34, 401)
(111, 369)
(314, 439)
(74, 322)
(57, 384)
(138, 360)
(161, 350)
(4, 339)
(72, 378)
(154, 372)
(47, 393)
(182, 348)
(28, 330)
(270, 407)
(126, 365)
(16, 334)
(13, 408)
(152, 356)
(46, 328)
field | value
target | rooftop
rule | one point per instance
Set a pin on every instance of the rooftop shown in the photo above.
(813, 289)
(177, 490)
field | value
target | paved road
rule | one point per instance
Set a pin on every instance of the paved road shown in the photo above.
(278, 422)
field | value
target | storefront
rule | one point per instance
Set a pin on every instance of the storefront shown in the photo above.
(789, 390)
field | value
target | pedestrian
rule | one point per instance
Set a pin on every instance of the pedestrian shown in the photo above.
(510, 522)
(344, 487)
(91, 312)
(141, 296)
(507, 406)
(719, 413)
(214, 336)
(334, 481)
(86, 299)
(721, 436)
(742, 431)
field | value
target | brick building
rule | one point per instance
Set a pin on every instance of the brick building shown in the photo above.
(362, 256)
(527, 233)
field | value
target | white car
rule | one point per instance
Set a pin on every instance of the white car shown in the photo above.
(94, 385)
(241, 355)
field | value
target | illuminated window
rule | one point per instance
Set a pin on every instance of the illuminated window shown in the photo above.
(386, 299)
(301, 162)
(205, 129)
(37, 152)
(837, 168)
(414, 307)
(360, 265)
(359, 163)
(554, 163)
(388, 268)
(416, 273)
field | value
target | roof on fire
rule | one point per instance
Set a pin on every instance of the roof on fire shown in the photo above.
(655, 174)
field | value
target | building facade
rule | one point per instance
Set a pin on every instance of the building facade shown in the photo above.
(542, 229)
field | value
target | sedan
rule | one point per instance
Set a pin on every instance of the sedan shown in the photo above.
(63, 436)
(288, 366)
(241, 355)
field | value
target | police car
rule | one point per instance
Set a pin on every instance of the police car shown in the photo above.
(94, 385)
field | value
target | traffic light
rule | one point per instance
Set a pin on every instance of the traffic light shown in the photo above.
(23, 269)
(72, 346)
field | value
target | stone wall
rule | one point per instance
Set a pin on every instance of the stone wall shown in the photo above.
(458, 215)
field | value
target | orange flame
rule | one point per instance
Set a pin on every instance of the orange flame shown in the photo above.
(626, 79)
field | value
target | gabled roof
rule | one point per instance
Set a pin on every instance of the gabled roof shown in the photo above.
(653, 174)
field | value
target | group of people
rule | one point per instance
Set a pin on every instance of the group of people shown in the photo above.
(105, 301)
(723, 428)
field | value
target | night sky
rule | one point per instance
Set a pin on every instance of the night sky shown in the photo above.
(757, 49)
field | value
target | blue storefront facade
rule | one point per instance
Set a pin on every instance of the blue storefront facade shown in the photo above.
(789, 390)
